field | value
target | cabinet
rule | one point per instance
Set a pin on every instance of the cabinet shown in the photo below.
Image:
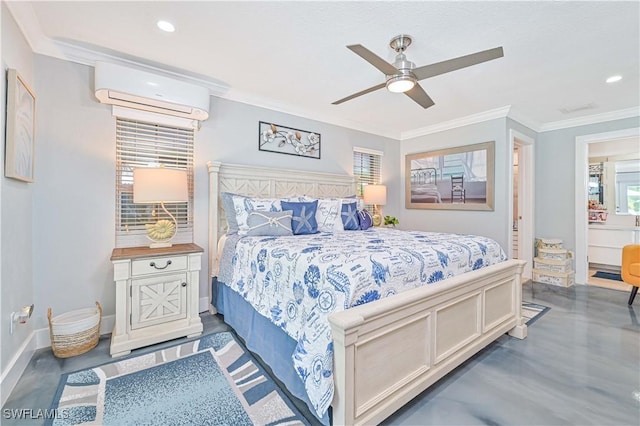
(156, 295)
(606, 242)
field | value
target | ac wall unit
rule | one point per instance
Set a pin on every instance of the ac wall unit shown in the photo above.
(132, 88)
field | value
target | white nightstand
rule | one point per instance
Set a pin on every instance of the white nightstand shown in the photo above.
(156, 295)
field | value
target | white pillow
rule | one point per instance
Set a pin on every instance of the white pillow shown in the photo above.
(329, 213)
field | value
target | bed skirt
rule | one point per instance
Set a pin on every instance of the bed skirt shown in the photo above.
(262, 337)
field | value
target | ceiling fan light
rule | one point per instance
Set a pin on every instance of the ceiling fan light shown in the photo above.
(166, 26)
(400, 83)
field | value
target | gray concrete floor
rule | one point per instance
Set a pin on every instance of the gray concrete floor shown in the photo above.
(580, 365)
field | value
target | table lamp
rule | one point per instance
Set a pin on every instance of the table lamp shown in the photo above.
(376, 195)
(160, 185)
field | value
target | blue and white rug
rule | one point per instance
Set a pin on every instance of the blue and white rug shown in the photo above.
(210, 381)
(608, 275)
(531, 312)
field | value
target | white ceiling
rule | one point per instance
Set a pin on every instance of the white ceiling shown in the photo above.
(291, 56)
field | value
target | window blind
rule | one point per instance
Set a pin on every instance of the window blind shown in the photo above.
(145, 144)
(366, 167)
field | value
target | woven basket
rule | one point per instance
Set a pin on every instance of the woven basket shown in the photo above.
(76, 332)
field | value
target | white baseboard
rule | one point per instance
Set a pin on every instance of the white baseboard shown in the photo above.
(203, 304)
(16, 367)
(38, 339)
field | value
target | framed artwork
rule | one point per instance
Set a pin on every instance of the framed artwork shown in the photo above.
(460, 178)
(21, 126)
(287, 140)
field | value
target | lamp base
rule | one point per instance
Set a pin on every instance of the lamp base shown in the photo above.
(160, 245)
(162, 232)
(377, 219)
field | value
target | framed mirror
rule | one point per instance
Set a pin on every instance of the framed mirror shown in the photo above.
(460, 178)
(627, 184)
(596, 183)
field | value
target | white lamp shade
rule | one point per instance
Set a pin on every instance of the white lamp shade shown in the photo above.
(375, 194)
(159, 185)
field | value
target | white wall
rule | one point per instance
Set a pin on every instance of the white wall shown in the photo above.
(555, 153)
(74, 201)
(487, 223)
(74, 211)
(16, 278)
(231, 135)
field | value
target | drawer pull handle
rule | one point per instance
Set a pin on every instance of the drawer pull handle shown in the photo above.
(183, 284)
(160, 267)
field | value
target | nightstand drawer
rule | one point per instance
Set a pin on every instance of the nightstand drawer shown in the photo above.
(158, 265)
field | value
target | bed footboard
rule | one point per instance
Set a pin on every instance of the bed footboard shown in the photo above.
(389, 351)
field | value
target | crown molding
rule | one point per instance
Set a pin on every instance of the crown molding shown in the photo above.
(285, 108)
(458, 122)
(591, 119)
(27, 20)
(88, 56)
(40, 43)
(524, 120)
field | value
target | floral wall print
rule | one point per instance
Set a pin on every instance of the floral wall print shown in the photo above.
(21, 116)
(287, 140)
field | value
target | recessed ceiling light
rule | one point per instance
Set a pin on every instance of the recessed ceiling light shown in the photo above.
(614, 78)
(166, 26)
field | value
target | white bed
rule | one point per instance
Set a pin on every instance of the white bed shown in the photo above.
(411, 339)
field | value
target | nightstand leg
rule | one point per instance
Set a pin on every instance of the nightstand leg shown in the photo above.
(117, 354)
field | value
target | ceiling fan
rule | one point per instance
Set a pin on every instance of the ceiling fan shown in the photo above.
(403, 76)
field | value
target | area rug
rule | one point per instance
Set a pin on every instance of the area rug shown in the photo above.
(532, 311)
(209, 381)
(608, 275)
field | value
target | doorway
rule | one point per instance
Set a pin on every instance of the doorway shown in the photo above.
(582, 196)
(521, 193)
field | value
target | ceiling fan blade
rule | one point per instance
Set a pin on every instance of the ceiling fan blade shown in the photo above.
(457, 63)
(364, 92)
(420, 96)
(373, 59)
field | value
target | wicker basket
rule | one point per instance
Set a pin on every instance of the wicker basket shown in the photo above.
(76, 332)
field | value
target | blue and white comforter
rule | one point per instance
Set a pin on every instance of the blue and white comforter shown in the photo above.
(298, 281)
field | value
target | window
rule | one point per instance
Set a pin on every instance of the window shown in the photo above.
(366, 167)
(145, 144)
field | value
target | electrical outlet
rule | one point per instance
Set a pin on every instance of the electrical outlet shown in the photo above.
(21, 316)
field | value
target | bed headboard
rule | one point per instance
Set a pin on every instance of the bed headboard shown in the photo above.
(424, 175)
(268, 182)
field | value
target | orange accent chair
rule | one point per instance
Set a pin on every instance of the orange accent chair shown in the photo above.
(631, 268)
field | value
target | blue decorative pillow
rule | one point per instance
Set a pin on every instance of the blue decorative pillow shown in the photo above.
(366, 221)
(349, 215)
(243, 205)
(269, 223)
(304, 216)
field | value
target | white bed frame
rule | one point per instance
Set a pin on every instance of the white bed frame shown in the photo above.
(388, 351)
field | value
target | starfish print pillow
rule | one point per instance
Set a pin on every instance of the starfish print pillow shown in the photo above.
(304, 216)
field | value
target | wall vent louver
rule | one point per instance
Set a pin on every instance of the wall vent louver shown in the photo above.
(569, 110)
